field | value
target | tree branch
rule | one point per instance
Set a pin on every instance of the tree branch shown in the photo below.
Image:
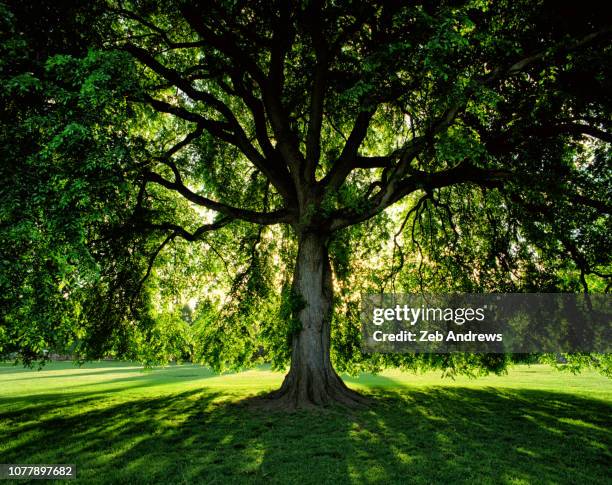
(227, 43)
(223, 131)
(162, 33)
(317, 95)
(341, 171)
(178, 231)
(347, 159)
(574, 129)
(275, 217)
(418, 180)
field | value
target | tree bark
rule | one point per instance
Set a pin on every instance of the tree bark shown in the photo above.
(312, 380)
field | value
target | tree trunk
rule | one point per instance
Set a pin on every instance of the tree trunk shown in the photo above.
(312, 381)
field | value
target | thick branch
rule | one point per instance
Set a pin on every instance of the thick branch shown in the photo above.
(340, 171)
(257, 109)
(347, 160)
(381, 161)
(227, 43)
(238, 137)
(585, 41)
(183, 84)
(275, 217)
(317, 94)
(574, 129)
(418, 180)
(223, 131)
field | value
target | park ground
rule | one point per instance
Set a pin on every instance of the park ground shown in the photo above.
(184, 424)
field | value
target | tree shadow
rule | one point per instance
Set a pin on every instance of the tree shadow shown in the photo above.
(408, 436)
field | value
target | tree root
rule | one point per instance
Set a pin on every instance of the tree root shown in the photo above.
(311, 393)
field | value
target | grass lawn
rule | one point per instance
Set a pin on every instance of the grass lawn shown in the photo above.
(183, 424)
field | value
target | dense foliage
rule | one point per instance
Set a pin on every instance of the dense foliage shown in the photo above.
(160, 163)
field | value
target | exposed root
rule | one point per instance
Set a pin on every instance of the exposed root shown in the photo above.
(310, 393)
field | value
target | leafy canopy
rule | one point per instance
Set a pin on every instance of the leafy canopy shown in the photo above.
(161, 162)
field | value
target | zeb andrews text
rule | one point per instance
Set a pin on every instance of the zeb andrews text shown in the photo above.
(412, 316)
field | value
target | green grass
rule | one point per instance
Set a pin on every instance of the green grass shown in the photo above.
(183, 424)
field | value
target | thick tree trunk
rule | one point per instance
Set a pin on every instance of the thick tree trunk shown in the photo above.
(312, 381)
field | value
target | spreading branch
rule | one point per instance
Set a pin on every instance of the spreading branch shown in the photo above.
(419, 180)
(265, 218)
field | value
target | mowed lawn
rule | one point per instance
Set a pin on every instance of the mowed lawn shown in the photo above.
(184, 424)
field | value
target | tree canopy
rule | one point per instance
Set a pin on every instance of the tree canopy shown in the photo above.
(221, 180)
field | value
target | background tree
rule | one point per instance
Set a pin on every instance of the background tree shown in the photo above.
(278, 133)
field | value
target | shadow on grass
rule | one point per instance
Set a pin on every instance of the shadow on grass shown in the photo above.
(409, 436)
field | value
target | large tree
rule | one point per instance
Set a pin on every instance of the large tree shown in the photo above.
(318, 116)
